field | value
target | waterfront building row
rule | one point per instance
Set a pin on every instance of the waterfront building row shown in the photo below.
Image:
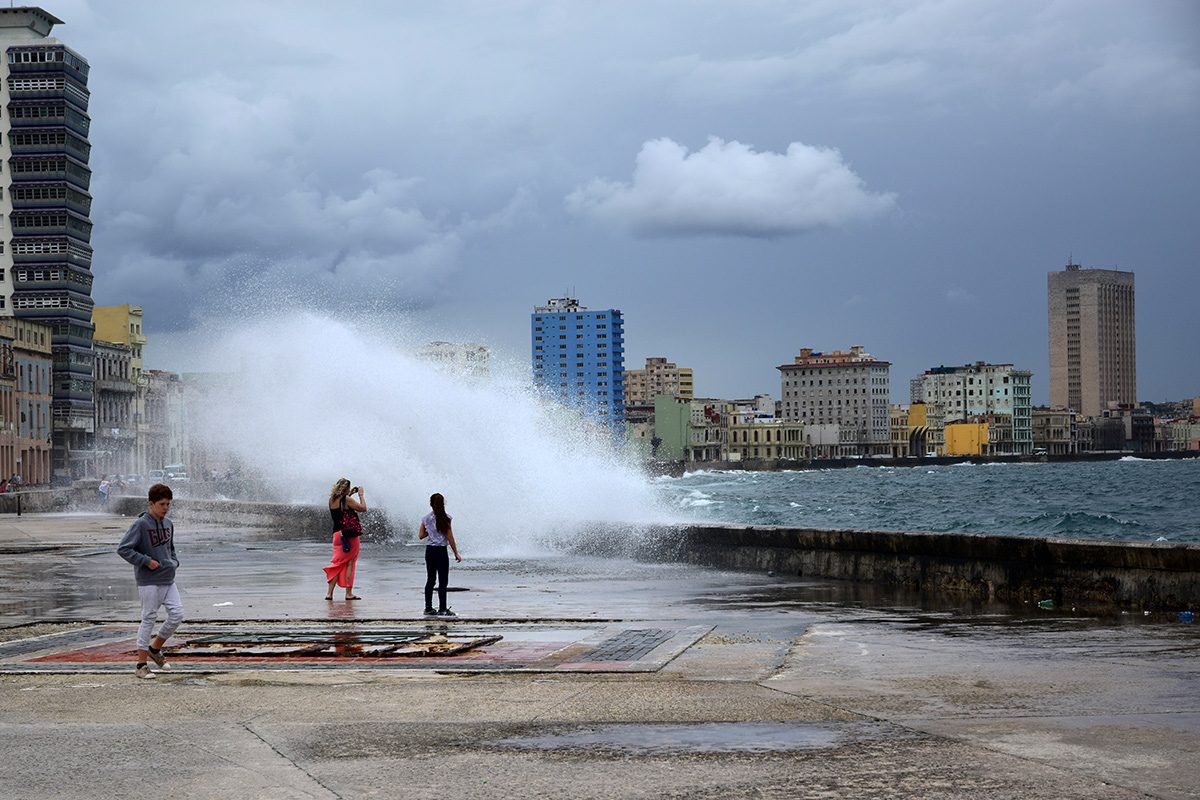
(1119, 428)
(139, 414)
(714, 431)
(975, 409)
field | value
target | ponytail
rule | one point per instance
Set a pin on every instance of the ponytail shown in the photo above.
(438, 504)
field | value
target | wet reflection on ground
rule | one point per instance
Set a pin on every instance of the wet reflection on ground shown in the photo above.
(708, 737)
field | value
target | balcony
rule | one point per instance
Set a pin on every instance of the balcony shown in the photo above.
(68, 283)
(53, 305)
(51, 194)
(51, 252)
(116, 386)
(103, 433)
(60, 63)
(68, 418)
(48, 141)
(51, 222)
(28, 168)
(40, 114)
(43, 82)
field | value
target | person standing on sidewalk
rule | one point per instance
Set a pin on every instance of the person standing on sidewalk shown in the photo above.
(435, 526)
(347, 531)
(149, 545)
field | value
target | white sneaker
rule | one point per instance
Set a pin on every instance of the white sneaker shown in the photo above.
(158, 659)
(144, 673)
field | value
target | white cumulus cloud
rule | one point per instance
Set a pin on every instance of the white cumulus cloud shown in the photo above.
(729, 188)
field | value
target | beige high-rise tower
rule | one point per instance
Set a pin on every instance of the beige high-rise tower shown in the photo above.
(1093, 359)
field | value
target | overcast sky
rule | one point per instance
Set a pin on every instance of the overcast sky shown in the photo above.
(741, 179)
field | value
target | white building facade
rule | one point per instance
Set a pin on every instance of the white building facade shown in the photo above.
(982, 390)
(461, 358)
(847, 389)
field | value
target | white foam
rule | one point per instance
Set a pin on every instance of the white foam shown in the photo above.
(318, 400)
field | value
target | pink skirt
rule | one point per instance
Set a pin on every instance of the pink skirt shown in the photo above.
(342, 565)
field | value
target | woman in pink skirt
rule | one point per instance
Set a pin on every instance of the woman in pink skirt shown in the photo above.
(343, 508)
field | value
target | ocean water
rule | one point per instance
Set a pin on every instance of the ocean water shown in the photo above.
(1131, 499)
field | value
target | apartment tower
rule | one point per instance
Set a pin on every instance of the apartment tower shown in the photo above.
(45, 230)
(579, 357)
(659, 377)
(1093, 361)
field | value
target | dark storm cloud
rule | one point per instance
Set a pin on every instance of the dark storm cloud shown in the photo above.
(939, 158)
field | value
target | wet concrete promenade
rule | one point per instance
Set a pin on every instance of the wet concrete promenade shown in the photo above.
(609, 679)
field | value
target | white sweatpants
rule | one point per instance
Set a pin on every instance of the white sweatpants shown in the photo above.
(153, 597)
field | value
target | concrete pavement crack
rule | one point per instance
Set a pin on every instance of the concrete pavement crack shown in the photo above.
(560, 703)
(167, 733)
(291, 761)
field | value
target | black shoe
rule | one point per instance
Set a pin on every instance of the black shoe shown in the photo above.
(429, 612)
(445, 612)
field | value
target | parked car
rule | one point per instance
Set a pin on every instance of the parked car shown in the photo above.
(176, 473)
(156, 476)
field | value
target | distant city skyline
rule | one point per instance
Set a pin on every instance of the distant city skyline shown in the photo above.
(740, 182)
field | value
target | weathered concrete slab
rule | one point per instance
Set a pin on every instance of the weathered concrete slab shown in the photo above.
(800, 687)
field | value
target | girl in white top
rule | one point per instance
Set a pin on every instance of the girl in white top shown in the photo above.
(435, 527)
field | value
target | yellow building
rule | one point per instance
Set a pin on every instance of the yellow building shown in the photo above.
(123, 325)
(926, 429)
(901, 432)
(966, 438)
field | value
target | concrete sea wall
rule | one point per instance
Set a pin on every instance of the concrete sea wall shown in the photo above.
(1095, 575)
(288, 520)
(1009, 569)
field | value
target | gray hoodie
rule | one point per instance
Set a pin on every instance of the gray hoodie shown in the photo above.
(149, 539)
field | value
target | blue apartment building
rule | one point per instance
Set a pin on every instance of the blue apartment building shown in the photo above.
(579, 357)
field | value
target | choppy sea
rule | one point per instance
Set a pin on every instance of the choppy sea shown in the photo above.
(1131, 499)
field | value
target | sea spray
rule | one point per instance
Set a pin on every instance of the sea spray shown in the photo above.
(312, 399)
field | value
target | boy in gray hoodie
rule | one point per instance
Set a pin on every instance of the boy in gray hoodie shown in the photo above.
(149, 545)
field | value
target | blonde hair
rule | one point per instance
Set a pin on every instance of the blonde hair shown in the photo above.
(340, 489)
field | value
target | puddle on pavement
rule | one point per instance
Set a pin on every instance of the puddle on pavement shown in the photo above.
(706, 737)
